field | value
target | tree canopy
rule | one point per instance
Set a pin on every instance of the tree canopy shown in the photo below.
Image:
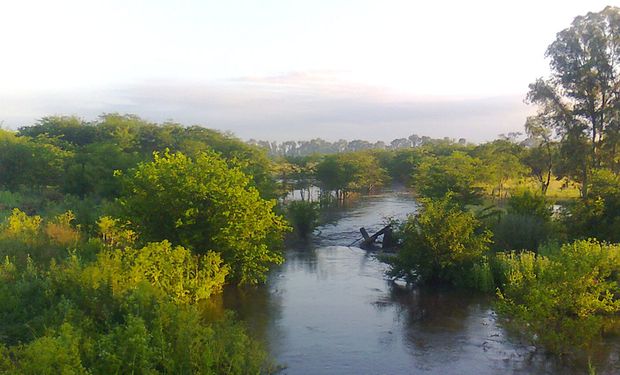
(205, 205)
(580, 101)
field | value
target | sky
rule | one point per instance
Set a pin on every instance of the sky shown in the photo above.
(283, 69)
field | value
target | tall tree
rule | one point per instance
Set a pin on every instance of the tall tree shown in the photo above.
(581, 98)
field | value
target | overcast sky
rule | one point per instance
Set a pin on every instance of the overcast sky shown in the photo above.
(287, 69)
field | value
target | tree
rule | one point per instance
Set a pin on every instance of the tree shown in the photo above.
(500, 162)
(25, 162)
(597, 216)
(457, 173)
(350, 172)
(581, 100)
(205, 205)
(69, 129)
(441, 243)
(541, 154)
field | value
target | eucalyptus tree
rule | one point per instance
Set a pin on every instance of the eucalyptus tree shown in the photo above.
(580, 101)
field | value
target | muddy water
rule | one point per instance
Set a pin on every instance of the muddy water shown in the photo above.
(329, 310)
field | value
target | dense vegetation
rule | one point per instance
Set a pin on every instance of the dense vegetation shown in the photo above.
(556, 272)
(117, 231)
(188, 210)
(77, 305)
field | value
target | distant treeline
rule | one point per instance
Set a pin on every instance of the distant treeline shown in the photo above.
(321, 146)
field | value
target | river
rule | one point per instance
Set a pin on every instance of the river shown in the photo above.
(329, 310)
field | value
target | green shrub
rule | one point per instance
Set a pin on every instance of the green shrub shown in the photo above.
(10, 200)
(563, 302)
(441, 244)
(22, 235)
(480, 277)
(303, 216)
(130, 311)
(175, 271)
(520, 232)
(528, 203)
(205, 205)
(598, 215)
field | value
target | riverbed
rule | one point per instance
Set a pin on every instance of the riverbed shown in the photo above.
(329, 309)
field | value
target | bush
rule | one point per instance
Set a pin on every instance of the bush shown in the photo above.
(303, 216)
(441, 244)
(528, 203)
(174, 271)
(480, 277)
(204, 205)
(128, 311)
(456, 174)
(520, 232)
(563, 302)
(10, 200)
(22, 235)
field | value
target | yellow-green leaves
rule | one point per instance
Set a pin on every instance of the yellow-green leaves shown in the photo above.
(563, 301)
(207, 206)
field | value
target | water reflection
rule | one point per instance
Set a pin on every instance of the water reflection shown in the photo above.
(329, 310)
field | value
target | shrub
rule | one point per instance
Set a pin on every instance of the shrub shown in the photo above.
(129, 311)
(205, 205)
(520, 232)
(303, 216)
(528, 203)
(22, 235)
(441, 244)
(174, 271)
(598, 215)
(480, 277)
(565, 301)
(61, 231)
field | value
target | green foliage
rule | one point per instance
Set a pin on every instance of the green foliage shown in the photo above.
(26, 162)
(565, 301)
(457, 173)
(77, 157)
(499, 162)
(527, 224)
(480, 276)
(22, 235)
(598, 215)
(172, 270)
(205, 205)
(10, 200)
(127, 311)
(91, 170)
(520, 232)
(350, 172)
(303, 216)
(526, 202)
(578, 101)
(401, 163)
(441, 244)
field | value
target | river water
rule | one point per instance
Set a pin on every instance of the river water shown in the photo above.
(329, 310)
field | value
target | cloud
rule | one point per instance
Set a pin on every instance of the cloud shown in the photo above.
(299, 105)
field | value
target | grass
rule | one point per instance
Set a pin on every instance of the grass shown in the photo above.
(558, 190)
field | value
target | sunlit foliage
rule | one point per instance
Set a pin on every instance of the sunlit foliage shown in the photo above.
(205, 205)
(564, 301)
(441, 244)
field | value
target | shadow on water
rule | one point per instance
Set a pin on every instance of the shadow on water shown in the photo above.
(329, 310)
